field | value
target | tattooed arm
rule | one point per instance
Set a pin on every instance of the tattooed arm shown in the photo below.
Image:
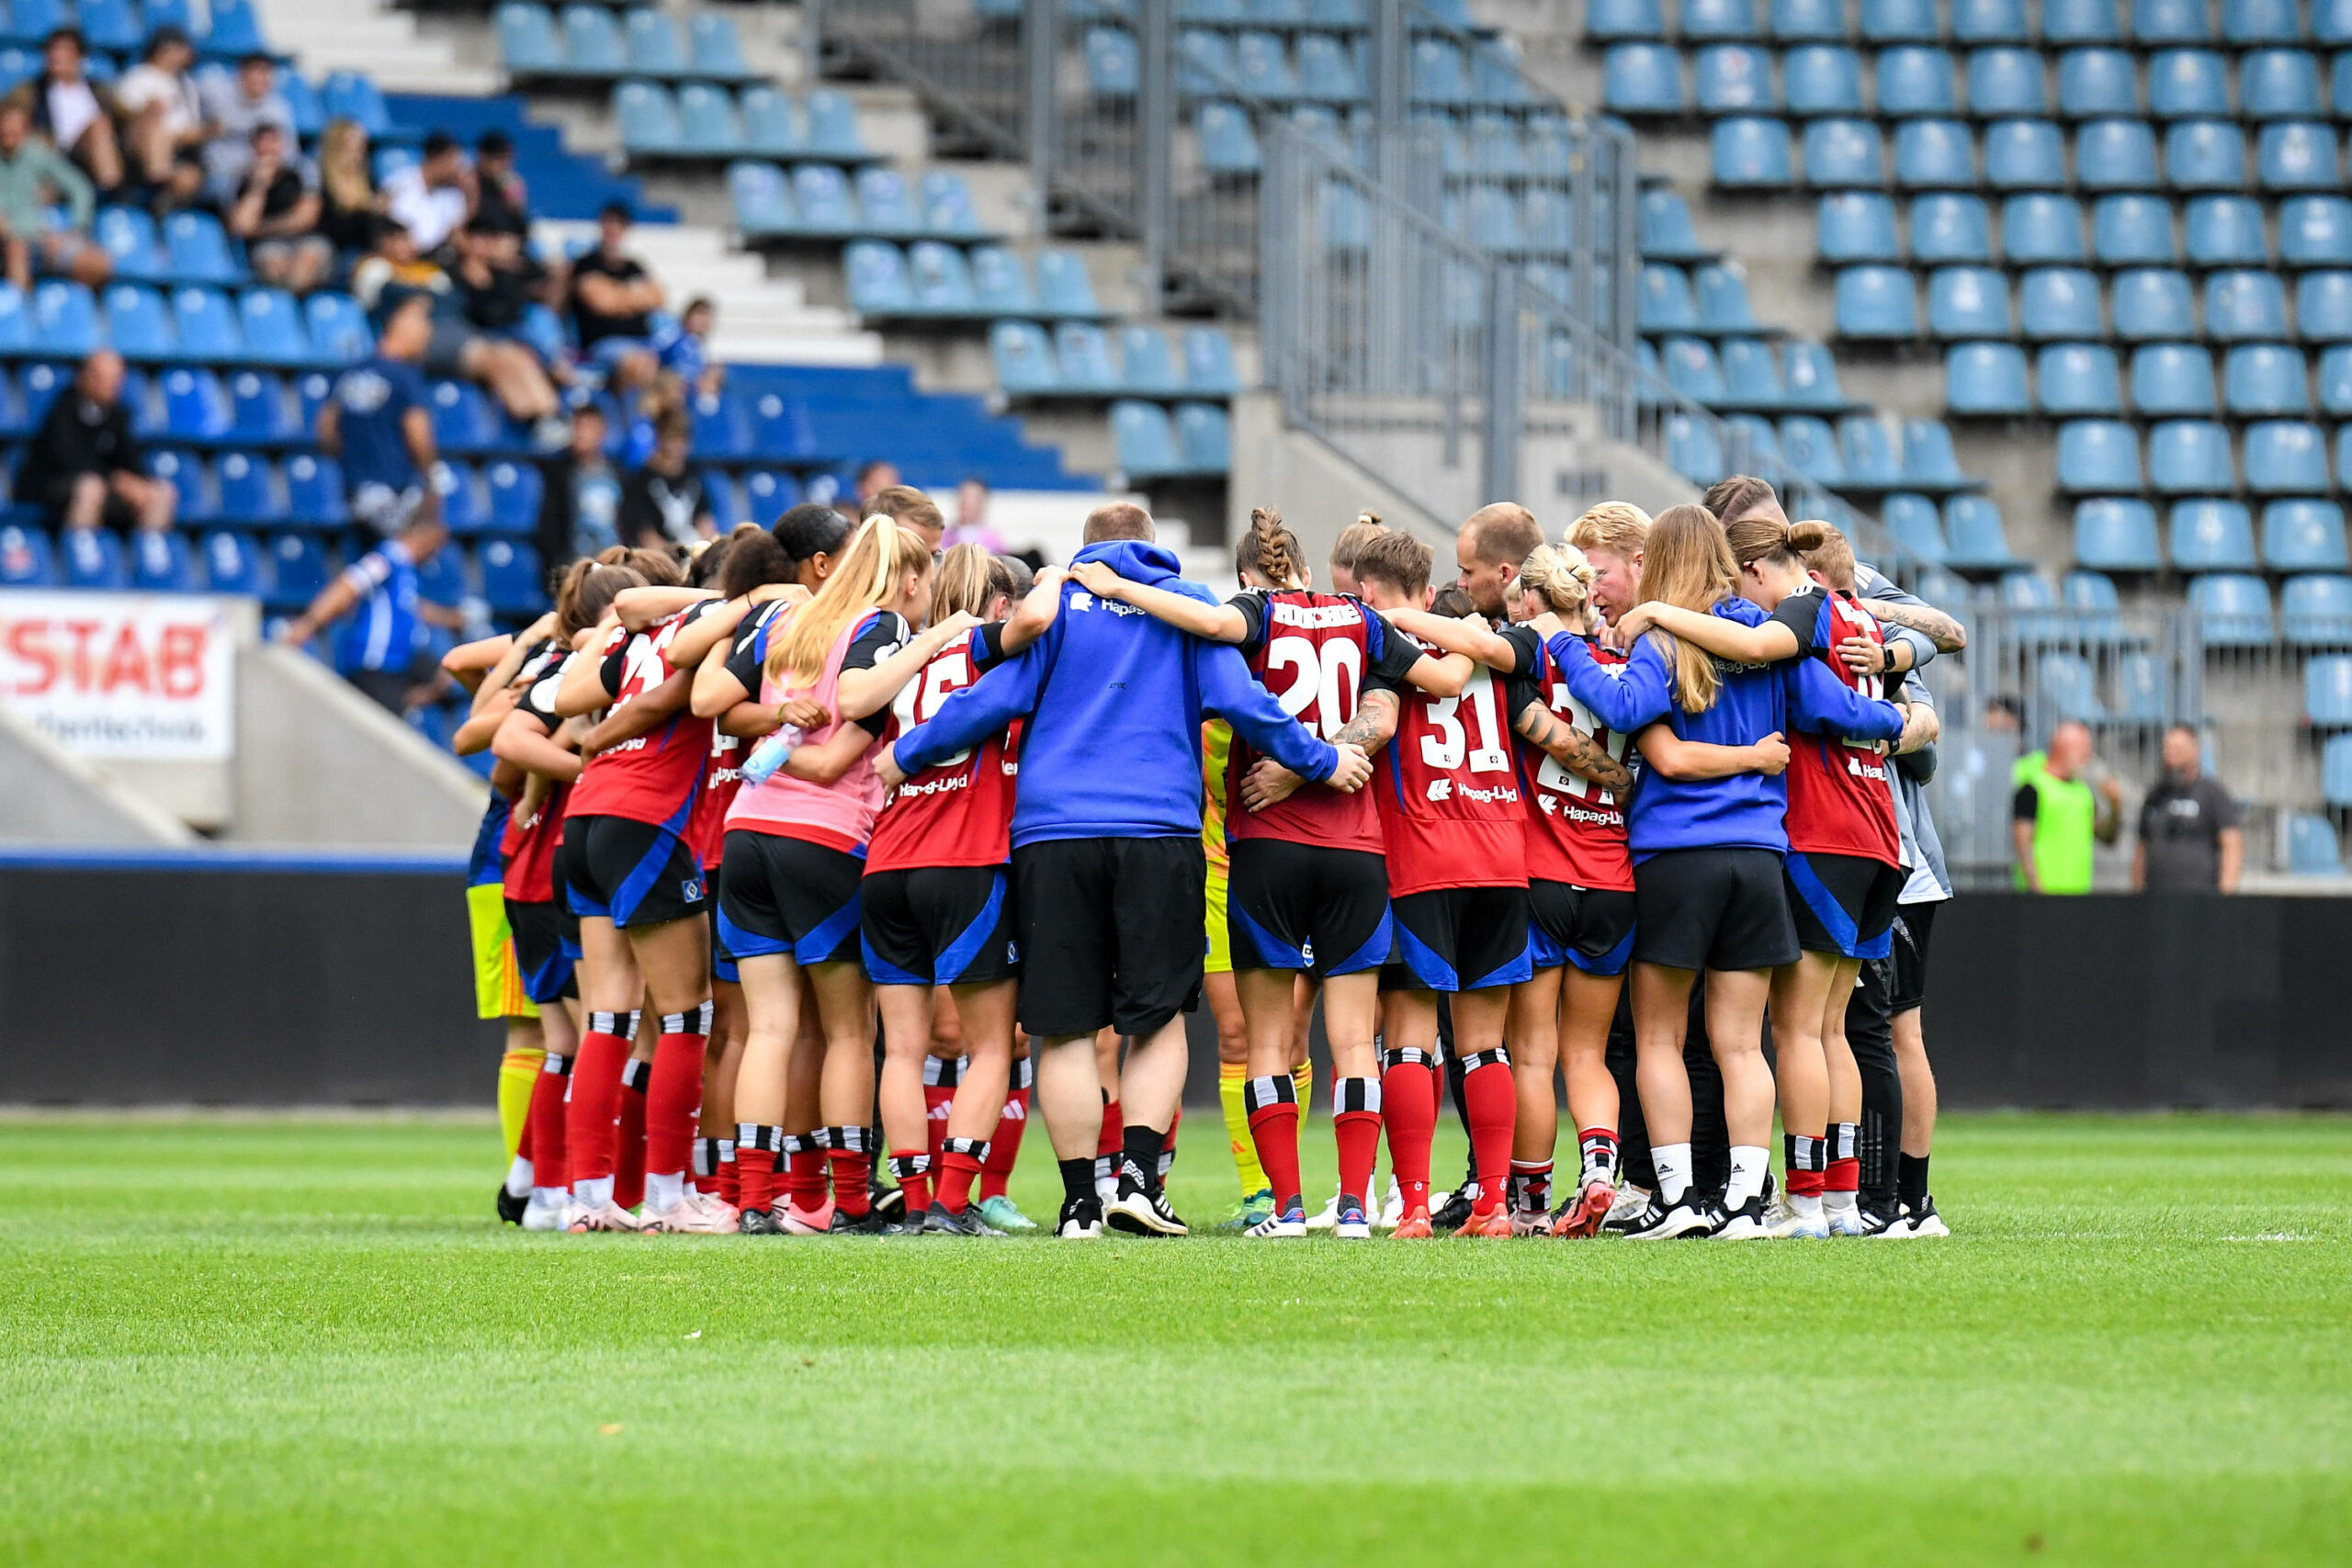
(1268, 782)
(1573, 749)
(1930, 623)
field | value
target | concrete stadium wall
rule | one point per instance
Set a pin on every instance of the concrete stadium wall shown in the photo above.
(50, 796)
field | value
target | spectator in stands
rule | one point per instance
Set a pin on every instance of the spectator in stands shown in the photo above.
(74, 113)
(580, 500)
(33, 178)
(163, 119)
(349, 204)
(234, 107)
(501, 197)
(84, 465)
(875, 476)
(971, 525)
(2191, 839)
(910, 508)
(683, 350)
(2004, 714)
(665, 503)
(613, 301)
(2055, 813)
(434, 197)
(508, 370)
(276, 212)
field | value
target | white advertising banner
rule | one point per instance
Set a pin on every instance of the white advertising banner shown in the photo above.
(123, 675)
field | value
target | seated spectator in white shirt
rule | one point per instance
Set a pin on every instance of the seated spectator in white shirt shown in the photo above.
(163, 119)
(72, 111)
(233, 109)
(277, 214)
(433, 199)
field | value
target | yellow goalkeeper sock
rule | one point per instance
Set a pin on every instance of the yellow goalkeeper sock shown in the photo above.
(518, 1070)
(1230, 1077)
(1303, 1078)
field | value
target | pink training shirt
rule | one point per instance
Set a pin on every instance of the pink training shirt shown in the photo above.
(838, 815)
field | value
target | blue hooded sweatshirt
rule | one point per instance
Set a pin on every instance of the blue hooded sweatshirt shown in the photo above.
(1113, 697)
(1745, 810)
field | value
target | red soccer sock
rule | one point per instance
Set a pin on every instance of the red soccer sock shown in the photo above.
(1409, 1110)
(939, 1078)
(850, 1164)
(1845, 1164)
(592, 1116)
(1844, 1176)
(1272, 1105)
(912, 1169)
(1005, 1149)
(731, 1174)
(1355, 1126)
(961, 1161)
(543, 1128)
(755, 1166)
(675, 1094)
(628, 1165)
(1492, 1103)
(803, 1182)
(1108, 1143)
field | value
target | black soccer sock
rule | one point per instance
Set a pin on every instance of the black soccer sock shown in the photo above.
(1911, 1180)
(1870, 1034)
(1141, 1148)
(1077, 1177)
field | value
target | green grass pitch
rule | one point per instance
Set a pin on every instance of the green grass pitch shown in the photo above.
(259, 1341)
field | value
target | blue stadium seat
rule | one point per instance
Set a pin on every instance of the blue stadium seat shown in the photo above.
(2066, 682)
(769, 494)
(1000, 284)
(2232, 609)
(709, 125)
(298, 570)
(314, 490)
(1264, 68)
(1810, 449)
(1692, 370)
(2261, 21)
(2040, 228)
(197, 250)
(947, 205)
(1144, 439)
(2169, 21)
(234, 564)
(196, 408)
(648, 118)
(2211, 536)
(137, 323)
(1693, 450)
(235, 29)
(111, 26)
(2303, 535)
(1666, 232)
(1809, 376)
(762, 199)
(1928, 461)
(1917, 531)
(1949, 227)
(1607, 21)
(2150, 303)
(1084, 355)
(1438, 74)
(514, 492)
(2296, 155)
(2005, 82)
(1751, 445)
(333, 324)
(511, 578)
(2132, 230)
(2205, 155)
(1989, 21)
(2097, 83)
(713, 47)
(92, 559)
(2315, 230)
(205, 324)
(1855, 226)
(1063, 287)
(1821, 79)
(1876, 302)
(2334, 767)
(2078, 379)
(1900, 21)
(1748, 366)
(1868, 448)
(592, 46)
(1641, 79)
(2059, 303)
(1145, 367)
(197, 501)
(1025, 366)
(1327, 70)
(2081, 21)
(2323, 307)
(1837, 153)
(2114, 534)
(2339, 84)
(2334, 380)
(2024, 154)
(1208, 362)
(1914, 80)
(2090, 596)
(2245, 305)
(1969, 302)
(2279, 83)
(1492, 221)
(771, 127)
(2190, 457)
(2310, 846)
(249, 489)
(2099, 456)
(2264, 379)
(822, 198)
(1113, 62)
(884, 203)
(2225, 230)
(942, 279)
(2188, 84)
(722, 426)
(2141, 678)
(464, 419)
(16, 321)
(832, 126)
(462, 506)
(1666, 303)
(128, 236)
(1707, 21)
(1975, 538)
(2116, 154)
(1732, 78)
(1934, 155)
(1723, 299)
(2316, 610)
(1819, 21)
(2172, 380)
(1747, 152)
(26, 557)
(877, 274)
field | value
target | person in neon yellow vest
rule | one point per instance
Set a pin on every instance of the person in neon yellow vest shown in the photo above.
(2055, 814)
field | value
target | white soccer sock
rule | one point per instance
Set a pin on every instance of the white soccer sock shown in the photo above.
(1748, 1164)
(1838, 1202)
(593, 1192)
(518, 1178)
(1673, 1162)
(1805, 1203)
(550, 1197)
(665, 1191)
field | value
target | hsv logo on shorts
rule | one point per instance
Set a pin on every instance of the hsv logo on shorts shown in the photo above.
(691, 889)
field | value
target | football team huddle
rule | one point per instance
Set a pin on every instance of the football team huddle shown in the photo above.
(824, 856)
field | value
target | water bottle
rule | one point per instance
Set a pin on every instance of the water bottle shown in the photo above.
(769, 755)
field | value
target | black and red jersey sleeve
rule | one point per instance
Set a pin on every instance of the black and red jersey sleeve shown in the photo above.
(882, 636)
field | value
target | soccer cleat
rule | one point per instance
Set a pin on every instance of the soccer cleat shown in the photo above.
(1451, 1212)
(1746, 1223)
(940, 1222)
(1081, 1219)
(1626, 1211)
(686, 1217)
(1663, 1222)
(758, 1222)
(1139, 1210)
(1005, 1215)
(1848, 1220)
(510, 1207)
(1920, 1223)
(604, 1216)
(1392, 1208)
(713, 1205)
(538, 1216)
(871, 1223)
(1288, 1226)
(1247, 1212)
(1328, 1217)
(1350, 1224)
(1876, 1223)
(887, 1201)
(1494, 1222)
(1414, 1226)
(791, 1219)
(1582, 1213)
(1788, 1222)
(1524, 1223)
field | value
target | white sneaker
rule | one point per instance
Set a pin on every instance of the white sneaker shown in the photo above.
(1844, 1219)
(685, 1217)
(604, 1216)
(1289, 1225)
(717, 1208)
(1664, 1222)
(1746, 1223)
(1626, 1214)
(538, 1216)
(1919, 1224)
(1392, 1208)
(1786, 1221)
(1327, 1217)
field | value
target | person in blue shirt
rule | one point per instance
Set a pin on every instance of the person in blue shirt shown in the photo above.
(377, 422)
(1109, 875)
(1707, 840)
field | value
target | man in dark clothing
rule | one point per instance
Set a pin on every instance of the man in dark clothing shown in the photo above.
(612, 305)
(86, 465)
(2190, 839)
(504, 201)
(580, 499)
(665, 502)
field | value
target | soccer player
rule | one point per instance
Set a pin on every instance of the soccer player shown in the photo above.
(1707, 845)
(1580, 889)
(794, 859)
(1107, 868)
(936, 910)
